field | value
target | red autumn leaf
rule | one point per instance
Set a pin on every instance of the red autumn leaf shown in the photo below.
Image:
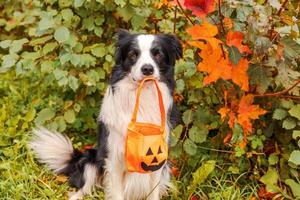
(264, 194)
(235, 38)
(194, 198)
(200, 8)
(175, 171)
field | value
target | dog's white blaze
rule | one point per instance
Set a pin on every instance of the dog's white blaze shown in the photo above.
(51, 148)
(144, 43)
(116, 112)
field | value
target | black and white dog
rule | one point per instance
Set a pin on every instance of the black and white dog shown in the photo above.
(137, 56)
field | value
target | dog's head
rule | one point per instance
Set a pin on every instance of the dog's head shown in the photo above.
(141, 55)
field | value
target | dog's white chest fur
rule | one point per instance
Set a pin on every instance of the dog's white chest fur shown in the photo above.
(116, 112)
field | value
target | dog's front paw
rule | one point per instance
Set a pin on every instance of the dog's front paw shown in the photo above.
(75, 195)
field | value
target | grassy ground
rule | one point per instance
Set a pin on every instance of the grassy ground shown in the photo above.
(24, 178)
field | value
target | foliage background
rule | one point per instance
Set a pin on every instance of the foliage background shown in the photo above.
(56, 57)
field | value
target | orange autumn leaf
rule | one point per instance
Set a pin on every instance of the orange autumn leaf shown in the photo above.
(200, 8)
(214, 64)
(227, 138)
(228, 23)
(248, 112)
(203, 31)
(235, 38)
(239, 74)
(198, 44)
(223, 112)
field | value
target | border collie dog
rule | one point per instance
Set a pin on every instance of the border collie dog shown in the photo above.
(137, 56)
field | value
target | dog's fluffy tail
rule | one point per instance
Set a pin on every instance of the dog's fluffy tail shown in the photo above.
(56, 151)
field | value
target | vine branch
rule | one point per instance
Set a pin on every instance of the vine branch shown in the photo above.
(221, 16)
(175, 20)
(278, 93)
(182, 10)
(282, 7)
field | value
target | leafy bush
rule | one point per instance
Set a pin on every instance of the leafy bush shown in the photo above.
(237, 88)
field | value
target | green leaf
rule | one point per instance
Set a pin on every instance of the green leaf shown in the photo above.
(279, 114)
(98, 50)
(67, 14)
(30, 115)
(270, 179)
(187, 117)
(138, 21)
(273, 159)
(234, 55)
(289, 123)
(47, 66)
(17, 45)
(78, 3)
(46, 22)
(44, 115)
(176, 132)
(73, 83)
(295, 157)
(202, 173)
(69, 116)
(61, 34)
(41, 40)
(5, 44)
(175, 135)
(291, 48)
(61, 76)
(287, 104)
(49, 47)
(296, 134)
(295, 111)
(8, 61)
(180, 86)
(198, 135)
(121, 3)
(260, 77)
(295, 187)
(88, 23)
(189, 147)
(126, 12)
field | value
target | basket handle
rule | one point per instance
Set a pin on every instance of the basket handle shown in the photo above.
(160, 100)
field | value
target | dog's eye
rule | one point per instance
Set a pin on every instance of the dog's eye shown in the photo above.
(157, 54)
(133, 54)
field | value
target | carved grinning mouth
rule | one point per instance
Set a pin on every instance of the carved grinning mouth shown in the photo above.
(152, 167)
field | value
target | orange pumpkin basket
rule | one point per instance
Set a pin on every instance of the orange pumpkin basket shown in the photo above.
(146, 147)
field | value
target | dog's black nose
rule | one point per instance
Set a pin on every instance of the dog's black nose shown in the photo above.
(147, 70)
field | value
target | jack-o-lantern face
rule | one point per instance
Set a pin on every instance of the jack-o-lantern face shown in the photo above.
(154, 159)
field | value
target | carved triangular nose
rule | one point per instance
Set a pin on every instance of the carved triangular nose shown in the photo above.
(154, 160)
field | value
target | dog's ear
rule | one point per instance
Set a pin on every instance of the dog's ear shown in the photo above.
(121, 34)
(175, 45)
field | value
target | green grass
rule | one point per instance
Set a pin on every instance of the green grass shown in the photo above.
(22, 177)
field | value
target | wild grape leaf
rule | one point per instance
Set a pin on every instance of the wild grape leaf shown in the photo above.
(294, 186)
(295, 111)
(295, 157)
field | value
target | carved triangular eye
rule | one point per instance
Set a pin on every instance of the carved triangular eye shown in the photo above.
(159, 150)
(149, 152)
